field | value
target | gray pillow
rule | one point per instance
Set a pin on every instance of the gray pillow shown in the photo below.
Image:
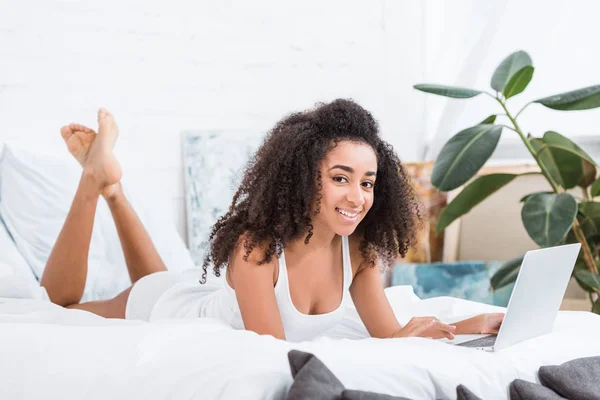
(360, 395)
(525, 390)
(575, 380)
(313, 380)
(462, 393)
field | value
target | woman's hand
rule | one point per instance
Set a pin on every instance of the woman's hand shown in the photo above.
(430, 327)
(490, 323)
(483, 323)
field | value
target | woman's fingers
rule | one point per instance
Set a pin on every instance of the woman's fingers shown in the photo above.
(418, 325)
(430, 327)
(445, 329)
(492, 323)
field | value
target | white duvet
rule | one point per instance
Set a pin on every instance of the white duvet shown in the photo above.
(53, 353)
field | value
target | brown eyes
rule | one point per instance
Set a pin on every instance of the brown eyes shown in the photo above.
(341, 179)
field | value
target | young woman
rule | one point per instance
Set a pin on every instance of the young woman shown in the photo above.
(323, 206)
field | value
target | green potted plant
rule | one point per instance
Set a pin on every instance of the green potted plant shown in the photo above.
(551, 217)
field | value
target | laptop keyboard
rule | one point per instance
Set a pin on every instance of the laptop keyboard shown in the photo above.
(485, 341)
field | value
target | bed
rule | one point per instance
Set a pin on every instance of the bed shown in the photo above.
(51, 352)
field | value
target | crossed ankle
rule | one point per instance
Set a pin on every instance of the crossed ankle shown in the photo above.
(91, 182)
(113, 193)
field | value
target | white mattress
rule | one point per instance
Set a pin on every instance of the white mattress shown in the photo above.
(50, 352)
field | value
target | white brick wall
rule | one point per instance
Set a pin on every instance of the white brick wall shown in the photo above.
(165, 66)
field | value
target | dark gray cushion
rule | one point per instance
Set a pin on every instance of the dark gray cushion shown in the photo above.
(313, 380)
(524, 390)
(576, 380)
(462, 393)
(360, 395)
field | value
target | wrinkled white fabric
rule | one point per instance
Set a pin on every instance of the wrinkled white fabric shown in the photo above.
(51, 352)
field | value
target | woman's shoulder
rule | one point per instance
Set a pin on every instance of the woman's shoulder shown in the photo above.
(243, 262)
(357, 259)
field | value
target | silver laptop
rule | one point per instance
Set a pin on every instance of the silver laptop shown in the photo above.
(535, 300)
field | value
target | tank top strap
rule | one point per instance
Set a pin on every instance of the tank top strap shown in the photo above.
(282, 277)
(346, 263)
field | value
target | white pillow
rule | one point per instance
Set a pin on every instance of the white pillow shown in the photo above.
(37, 191)
(1, 156)
(16, 278)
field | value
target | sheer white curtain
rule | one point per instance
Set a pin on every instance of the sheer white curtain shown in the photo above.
(457, 36)
(468, 39)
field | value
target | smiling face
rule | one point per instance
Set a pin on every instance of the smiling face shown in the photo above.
(348, 175)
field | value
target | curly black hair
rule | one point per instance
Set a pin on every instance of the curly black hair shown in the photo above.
(282, 181)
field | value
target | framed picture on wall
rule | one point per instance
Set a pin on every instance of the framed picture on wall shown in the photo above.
(213, 162)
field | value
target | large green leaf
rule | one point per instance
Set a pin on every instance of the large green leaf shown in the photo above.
(580, 99)
(569, 167)
(489, 120)
(447, 91)
(548, 217)
(596, 188)
(508, 68)
(582, 275)
(580, 266)
(463, 155)
(588, 175)
(558, 141)
(589, 218)
(546, 157)
(590, 209)
(590, 279)
(562, 158)
(470, 196)
(524, 198)
(507, 273)
(582, 284)
(518, 82)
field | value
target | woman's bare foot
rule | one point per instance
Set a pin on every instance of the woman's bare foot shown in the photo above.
(94, 151)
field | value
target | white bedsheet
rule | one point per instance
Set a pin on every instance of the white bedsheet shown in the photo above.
(53, 353)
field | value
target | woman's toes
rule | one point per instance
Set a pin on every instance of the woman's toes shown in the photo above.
(66, 132)
(103, 113)
(81, 128)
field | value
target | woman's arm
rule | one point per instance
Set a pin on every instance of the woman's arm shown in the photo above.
(254, 290)
(375, 310)
(372, 304)
(376, 313)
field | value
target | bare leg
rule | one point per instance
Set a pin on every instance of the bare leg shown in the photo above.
(113, 308)
(66, 269)
(140, 254)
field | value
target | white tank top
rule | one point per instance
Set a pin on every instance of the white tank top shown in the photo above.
(296, 325)
(180, 295)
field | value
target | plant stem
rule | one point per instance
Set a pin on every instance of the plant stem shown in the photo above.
(587, 253)
(522, 109)
(508, 127)
(529, 147)
(576, 228)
